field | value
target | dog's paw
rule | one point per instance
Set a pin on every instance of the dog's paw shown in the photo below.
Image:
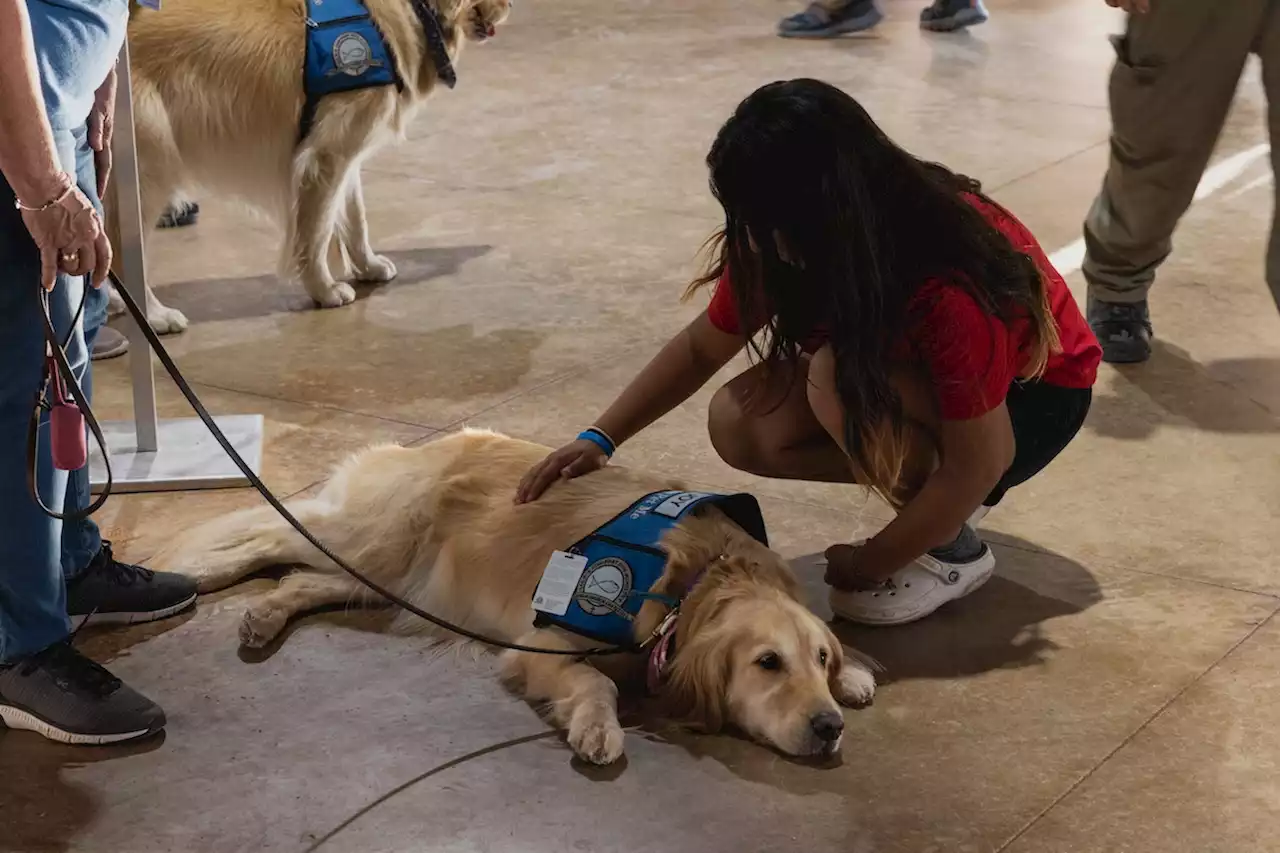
(597, 741)
(167, 321)
(854, 686)
(376, 269)
(335, 296)
(261, 626)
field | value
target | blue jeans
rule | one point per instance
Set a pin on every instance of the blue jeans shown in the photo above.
(38, 554)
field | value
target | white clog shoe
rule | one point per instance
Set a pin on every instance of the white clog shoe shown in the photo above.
(915, 592)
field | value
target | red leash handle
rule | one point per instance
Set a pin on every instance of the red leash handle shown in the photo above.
(68, 442)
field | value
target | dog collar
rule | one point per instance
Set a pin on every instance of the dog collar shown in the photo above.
(664, 639)
(433, 30)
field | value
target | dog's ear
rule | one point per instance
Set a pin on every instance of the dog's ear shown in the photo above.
(696, 691)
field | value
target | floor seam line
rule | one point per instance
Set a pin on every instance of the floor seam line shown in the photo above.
(1041, 169)
(322, 406)
(1089, 774)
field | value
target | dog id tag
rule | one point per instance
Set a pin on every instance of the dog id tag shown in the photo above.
(149, 4)
(559, 583)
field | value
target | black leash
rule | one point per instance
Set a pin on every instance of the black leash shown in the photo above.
(172, 369)
(52, 397)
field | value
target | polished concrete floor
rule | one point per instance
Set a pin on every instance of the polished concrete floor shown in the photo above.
(1113, 689)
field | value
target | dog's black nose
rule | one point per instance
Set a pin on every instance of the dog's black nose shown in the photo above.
(827, 726)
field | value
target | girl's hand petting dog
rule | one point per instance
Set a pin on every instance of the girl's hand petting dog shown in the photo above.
(573, 460)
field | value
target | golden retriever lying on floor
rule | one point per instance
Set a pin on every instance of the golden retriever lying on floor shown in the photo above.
(437, 525)
(218, 104)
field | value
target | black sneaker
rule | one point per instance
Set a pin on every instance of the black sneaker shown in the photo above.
(61, 694)
(949, 15)
(1123, 329)
(180, 215)
(819, 22)
(111, 592)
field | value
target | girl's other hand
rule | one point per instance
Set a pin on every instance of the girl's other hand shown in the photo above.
(573, 460)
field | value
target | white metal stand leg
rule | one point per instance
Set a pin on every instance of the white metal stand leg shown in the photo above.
(148, 454)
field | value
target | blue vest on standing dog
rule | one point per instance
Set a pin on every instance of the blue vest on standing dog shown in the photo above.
(624, 559)
(345, 52)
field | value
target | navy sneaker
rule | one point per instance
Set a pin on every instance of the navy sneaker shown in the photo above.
(949, 15)
(179, 215)
(819, 22)
(111, 592)
(62, 695)
(1123, 329)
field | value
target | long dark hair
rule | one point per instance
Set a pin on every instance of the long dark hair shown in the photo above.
(846, 226)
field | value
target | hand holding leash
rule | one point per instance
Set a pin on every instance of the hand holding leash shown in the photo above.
(101, 125)
(69, 234)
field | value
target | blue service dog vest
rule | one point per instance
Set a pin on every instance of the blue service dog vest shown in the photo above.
(345, 52)
(624, 559)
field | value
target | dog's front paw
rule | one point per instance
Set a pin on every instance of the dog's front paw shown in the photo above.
(334, 296)
(261, 625)
(854, 686)
(376, 269)
(597, 740)
(167, 321)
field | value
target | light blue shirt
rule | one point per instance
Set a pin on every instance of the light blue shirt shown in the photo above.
(77, 41)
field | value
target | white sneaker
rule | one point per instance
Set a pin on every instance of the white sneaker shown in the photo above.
(915, 592)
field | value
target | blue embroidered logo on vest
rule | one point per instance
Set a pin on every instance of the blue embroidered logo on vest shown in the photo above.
(345, 52)
(624, 559)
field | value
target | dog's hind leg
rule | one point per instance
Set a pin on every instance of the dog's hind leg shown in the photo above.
(582, 700)
(300, 592)
(366, 264)
(160, 172)
(231, 548)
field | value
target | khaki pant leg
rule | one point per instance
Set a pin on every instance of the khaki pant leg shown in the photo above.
(1175, 75)
(1268, 48)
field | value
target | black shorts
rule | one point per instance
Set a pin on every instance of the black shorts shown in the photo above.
(1045, 418)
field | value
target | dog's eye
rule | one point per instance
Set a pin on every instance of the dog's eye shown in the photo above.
(822, 657)
(769, 661)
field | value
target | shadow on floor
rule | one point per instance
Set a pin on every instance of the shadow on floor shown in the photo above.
(261, 296)
(997, 627)
(1213, 398)
(41, 810)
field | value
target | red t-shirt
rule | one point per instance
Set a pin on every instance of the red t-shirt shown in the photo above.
(972, 357)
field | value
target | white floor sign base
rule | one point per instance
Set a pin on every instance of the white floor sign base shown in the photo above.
(188, 456)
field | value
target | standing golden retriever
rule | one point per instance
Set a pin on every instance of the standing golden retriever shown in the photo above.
(437, 525)
(218, 103)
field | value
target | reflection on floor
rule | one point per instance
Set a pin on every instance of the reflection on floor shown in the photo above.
(1113, 689)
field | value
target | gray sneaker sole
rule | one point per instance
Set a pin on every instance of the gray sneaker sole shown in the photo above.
(837, 28)
(22, 720)
(132, 618)
(958, 21)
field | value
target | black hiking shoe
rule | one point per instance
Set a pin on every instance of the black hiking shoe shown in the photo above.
(1123, 329)
(949, 15)
(110, 592)
(62, 695)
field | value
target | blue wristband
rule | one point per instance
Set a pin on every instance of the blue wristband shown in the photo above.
(599, 439)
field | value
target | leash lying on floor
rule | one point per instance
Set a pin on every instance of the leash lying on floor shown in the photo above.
(61, 373)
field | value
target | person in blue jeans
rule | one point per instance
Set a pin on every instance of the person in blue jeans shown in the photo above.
(57, 92)
(832, 18)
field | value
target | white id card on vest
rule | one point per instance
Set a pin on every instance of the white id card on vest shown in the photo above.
(559, 582)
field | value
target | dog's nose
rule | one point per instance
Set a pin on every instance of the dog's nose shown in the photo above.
(827, 726)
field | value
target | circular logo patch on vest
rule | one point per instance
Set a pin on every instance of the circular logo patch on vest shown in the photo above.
(604, 587)
(351, 54)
